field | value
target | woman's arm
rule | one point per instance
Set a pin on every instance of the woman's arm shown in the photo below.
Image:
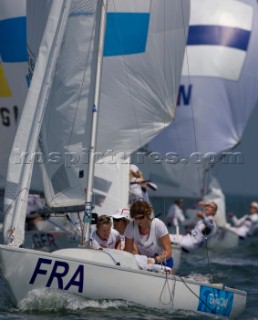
(167, 248)
(118, 245)
(238, 222)
(129, 244)
(135, 249)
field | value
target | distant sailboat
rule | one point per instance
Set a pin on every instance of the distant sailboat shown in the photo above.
(216, 98)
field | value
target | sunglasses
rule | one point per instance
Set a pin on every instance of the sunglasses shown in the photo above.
(211, 206)
(139, 217)
(117, 219)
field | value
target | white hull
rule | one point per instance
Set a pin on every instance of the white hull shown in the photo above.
(54, 240)
(97, 274)
(225, 239)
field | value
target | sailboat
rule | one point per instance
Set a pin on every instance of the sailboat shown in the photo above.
(83, 271)
(110, 181)
(216, 98)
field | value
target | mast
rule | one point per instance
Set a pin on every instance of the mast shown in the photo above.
(95, 110)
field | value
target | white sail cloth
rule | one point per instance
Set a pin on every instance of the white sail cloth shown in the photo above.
(13, 71)
(13, 82)
(218, 90)
(141, 69)
(143, 54)
(64, 112)
(219, 83)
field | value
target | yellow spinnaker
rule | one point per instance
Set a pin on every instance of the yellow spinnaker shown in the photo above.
(4, 87)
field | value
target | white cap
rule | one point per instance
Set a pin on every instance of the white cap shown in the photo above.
(254, 204)
(122, 213)
(134, 168)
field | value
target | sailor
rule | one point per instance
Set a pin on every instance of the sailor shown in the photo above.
(120, 221)
(204, 229)
(33, 219)
(138, 187)
(175, 214)
(150, 235)
(104, 236)
(246, 225)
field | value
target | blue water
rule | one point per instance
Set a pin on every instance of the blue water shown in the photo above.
(236, 268)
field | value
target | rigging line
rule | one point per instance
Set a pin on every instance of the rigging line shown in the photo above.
(208, 259)
(60, 227)
(117, 263)
(54, 214)
(14, 200)
(222, 156)
(174, 123)
(87, 62)
(171, 293)
(164, 113)
(87, 59)
(7, 209)
(193, 121)
(206, 248)
(73, 224)
(196, 295)
(164, 133)
(186, 60)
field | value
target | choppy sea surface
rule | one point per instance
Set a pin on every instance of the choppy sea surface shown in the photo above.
(236, 268)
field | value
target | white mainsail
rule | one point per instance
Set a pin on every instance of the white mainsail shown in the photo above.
(20, 172)
(218, 90)
(140, 76)
(137, 54)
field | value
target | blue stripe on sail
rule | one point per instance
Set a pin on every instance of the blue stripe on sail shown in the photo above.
(126, 33)
(13, 40)
(220, 36)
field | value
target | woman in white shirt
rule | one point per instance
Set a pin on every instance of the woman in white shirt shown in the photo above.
(104, 236)
(150, 235)
(204, 229)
